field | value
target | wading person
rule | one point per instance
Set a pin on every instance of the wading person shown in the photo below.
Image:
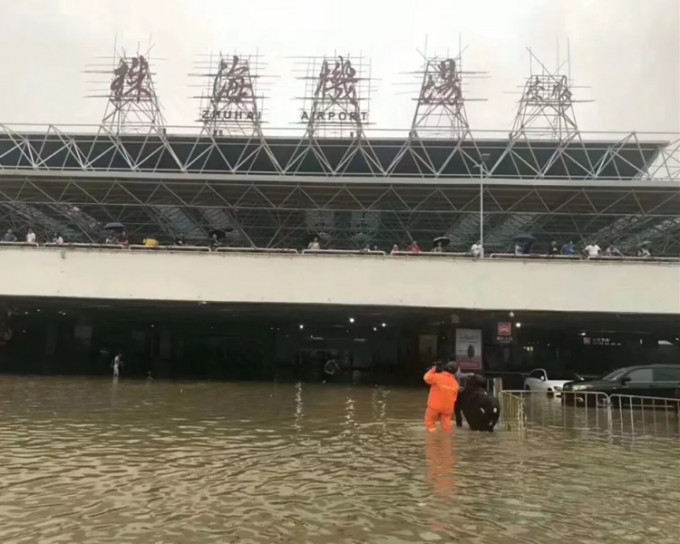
(117, 363)
(481, 410)
(443, 393)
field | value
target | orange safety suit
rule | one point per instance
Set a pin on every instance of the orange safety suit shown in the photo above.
(443, 394)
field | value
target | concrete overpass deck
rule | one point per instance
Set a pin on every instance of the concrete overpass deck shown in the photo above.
(424, 281)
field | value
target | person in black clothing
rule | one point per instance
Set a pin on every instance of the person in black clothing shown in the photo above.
(554, 249)
(215, 242)
(480, 409)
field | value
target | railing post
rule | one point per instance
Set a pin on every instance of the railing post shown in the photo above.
(497, 387)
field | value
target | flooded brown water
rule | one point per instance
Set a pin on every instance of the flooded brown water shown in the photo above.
(91, 461)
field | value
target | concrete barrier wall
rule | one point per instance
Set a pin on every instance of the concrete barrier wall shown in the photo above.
(488, 284)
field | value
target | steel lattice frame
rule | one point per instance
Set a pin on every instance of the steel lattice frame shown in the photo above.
(133, 105)
(276, 191)
(231, 105)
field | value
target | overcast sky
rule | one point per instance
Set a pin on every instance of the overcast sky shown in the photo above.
(626, 52)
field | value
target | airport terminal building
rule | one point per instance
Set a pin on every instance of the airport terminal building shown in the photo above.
(235, 252)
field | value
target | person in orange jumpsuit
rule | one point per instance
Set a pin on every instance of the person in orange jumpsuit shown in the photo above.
(443, 394)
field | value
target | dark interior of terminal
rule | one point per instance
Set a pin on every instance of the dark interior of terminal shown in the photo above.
(293, 343)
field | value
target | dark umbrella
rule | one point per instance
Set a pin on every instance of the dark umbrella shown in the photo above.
(217, 232)
(114, 226)
(360, 237)
(525, 237)
(443, 240)
(320, 235)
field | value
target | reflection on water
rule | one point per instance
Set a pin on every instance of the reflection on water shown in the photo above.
(96, 461)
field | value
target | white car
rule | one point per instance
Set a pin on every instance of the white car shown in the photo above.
(538, 380)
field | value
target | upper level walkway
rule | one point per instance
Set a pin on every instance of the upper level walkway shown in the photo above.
(338, 278)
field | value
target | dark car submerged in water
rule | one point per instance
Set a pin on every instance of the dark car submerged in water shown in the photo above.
(651, 381)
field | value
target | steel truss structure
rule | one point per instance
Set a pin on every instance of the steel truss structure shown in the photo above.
(336, 99)
(440, 105)
(231, 105)
(132, 103)
(546, 107)
(334, 112)
(273, 191)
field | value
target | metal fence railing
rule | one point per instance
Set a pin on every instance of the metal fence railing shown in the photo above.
(308, 252)
(582, 258)
(607, 415)
(512, 411)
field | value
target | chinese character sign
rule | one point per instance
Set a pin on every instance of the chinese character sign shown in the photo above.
(443, 86)
(542, 89)
(131, 81)
(338, 84)
(232, 83)
(232, 95)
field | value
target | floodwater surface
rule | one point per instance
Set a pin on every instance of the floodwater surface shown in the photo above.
(93, 461)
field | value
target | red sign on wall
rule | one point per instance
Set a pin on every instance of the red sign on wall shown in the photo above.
(504, 329)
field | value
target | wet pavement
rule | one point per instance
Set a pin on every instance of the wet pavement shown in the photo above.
(93, 461)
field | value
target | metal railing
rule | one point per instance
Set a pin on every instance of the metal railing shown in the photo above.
(308, 252)
(512, 416)
(578, 258)
(341, 252)
(605, 415)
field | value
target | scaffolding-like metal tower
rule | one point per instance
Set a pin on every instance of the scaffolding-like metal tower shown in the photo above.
(132, 103)
(440, 105)
(440, 114)
(546, 105)
(337, 96)
(231, 106)
(335, 107)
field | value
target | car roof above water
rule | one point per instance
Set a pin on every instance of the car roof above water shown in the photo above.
(657, 365)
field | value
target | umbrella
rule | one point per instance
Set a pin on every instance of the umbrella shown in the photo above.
(319, 234)
(525, 237)
(114, 226)
(217, 232)
(645, 243)
(443, 240)
(360, 237)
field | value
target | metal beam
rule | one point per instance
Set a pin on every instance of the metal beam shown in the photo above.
(298, 179)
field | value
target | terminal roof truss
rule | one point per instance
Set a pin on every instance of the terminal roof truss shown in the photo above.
(277, 191)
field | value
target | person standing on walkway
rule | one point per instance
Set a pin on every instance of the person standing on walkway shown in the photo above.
(9, 236)
(443, 394)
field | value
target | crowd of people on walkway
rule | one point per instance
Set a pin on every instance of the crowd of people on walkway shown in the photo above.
(10, 237)
(524, 245)
(591, 250)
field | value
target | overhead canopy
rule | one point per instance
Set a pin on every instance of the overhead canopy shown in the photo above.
(274, 192)
(577, 159)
